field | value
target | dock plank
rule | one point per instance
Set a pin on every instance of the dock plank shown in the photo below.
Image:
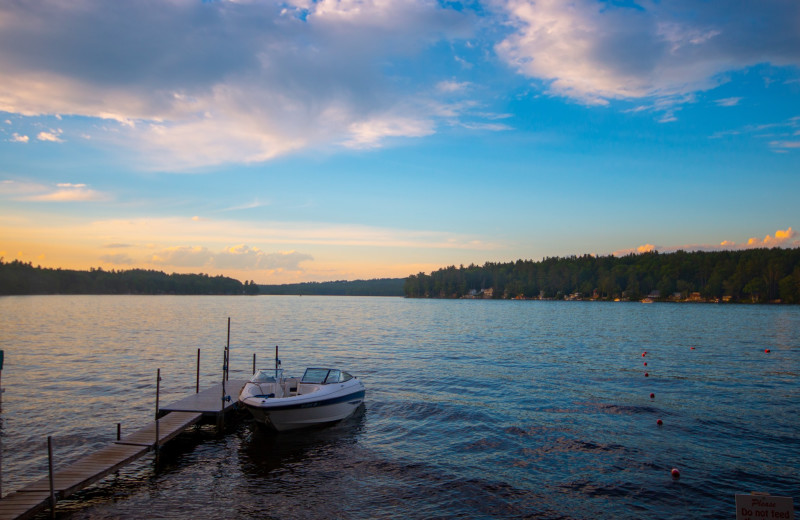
(33, 498)
(20, 506)
(208, 401)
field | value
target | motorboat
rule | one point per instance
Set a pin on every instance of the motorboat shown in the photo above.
(322, 395)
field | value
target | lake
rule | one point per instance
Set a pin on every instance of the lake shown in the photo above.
(474, 409)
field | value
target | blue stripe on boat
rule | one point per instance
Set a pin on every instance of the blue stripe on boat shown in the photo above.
(313, 404)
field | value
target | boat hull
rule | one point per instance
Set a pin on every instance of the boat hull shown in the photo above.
(303, 411)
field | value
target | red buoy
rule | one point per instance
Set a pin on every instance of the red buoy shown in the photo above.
(675, 473)
(652, 396)
(644, 353)
(691, 348)
(766, 350)
(646, 374)
(645, 363)
(659, 422)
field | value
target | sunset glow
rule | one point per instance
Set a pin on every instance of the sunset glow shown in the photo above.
(326, 140)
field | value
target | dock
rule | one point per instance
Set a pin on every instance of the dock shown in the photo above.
(172, 420)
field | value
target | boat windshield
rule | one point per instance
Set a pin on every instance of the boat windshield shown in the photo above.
(322, 376)
(267, 375)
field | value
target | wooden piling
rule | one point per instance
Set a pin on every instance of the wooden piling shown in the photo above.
(158, 391)
(197, 386)
(50, 475)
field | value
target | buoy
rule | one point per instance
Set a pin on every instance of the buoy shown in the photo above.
(644, 353)
(766, 350)
(691, 348)
(645, 363)
(646, 374)
(659, 422)
(652, 396)
(675, 473)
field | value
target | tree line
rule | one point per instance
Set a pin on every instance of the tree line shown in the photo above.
(753, 275)
(375, 287)
(17, 277)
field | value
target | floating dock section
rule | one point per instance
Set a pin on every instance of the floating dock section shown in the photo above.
(210, 404)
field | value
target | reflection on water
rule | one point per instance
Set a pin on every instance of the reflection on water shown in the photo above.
(474, 409)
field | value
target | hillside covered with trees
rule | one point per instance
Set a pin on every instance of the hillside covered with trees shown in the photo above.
(376, 287)
(753, 275)
(22, 278)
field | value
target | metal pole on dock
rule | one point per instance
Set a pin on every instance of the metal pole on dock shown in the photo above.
(254, 362)
(228, 351)
(197, 388)
(221, 416)
(119, 431)
(50, 475)
(158, 391)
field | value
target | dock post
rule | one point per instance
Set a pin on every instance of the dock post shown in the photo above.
(197, 387)
(50, 474)
(119, 431)
(228, 352)
(158, 391)
(221, 416)
(254, 362)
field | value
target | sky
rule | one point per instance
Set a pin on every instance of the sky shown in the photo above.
(306, 140)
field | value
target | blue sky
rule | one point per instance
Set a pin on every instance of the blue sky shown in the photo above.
(300, 140)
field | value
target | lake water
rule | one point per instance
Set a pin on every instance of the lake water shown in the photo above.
(474, 409)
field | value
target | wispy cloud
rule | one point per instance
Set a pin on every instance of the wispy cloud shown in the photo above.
(17, 138)
(61, 192)
(728, 102)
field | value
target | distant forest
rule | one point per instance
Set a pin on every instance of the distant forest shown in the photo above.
(753, 275)
(22, 278)
(376, 287)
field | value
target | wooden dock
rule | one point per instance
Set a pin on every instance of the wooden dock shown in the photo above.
(173, 419)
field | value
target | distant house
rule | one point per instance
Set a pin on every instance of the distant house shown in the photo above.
(694, 297)
(488, 293)
(654, 294)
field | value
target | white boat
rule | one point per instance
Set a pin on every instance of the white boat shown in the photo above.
(322, 395)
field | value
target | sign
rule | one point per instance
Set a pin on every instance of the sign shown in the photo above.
(759, 506)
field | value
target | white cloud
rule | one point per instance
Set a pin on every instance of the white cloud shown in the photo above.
(370, 133)
(16, 138)
(595, 52)
(49, 136)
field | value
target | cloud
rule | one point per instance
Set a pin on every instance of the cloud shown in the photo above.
(118, 259)
(370, 133)
(647, 248)
(239, 257)
(246, 257)
(202, 83)
(66, 192)
(61, 192)
(594, 52)
(183, 256)
(782, 238)
(16, 138)
(728, 102)
(49, 136)
(453, 86)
